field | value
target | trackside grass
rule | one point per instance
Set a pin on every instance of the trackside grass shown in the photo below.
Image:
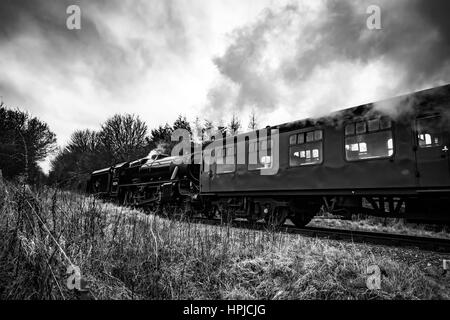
(125, 254)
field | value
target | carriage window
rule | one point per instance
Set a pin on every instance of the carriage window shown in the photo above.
(371, 140)
(261, 158)
(206, 165)
(360, 127)
(428, 133)
(373, 125)
(263, 145)
(385, 123)
(301, 138)
(350, 129)
(228, 164)
(307, 152)
(293, 139)
(317, 135)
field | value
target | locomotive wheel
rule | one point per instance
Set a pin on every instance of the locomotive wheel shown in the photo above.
(277, 217)
(304, 213)
(251, 217)
(300, 220)
(251, 220)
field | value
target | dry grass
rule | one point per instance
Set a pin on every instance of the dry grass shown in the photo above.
(125, 254)
(388, 225)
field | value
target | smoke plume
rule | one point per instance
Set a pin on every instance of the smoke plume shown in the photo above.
(306, 59)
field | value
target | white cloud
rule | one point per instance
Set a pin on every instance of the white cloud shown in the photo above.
(157, 59)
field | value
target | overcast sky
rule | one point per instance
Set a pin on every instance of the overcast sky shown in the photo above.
(209, 58)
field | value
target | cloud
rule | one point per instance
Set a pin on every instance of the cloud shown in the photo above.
(76, 78)
(112, 48)
(211, 58)
(307, 60)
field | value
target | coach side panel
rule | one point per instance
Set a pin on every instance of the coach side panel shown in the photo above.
(334, 174)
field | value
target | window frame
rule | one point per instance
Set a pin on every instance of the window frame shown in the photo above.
(258, 149)
(212, 166)
(304, 131)
(355, 121)
(416, 132)
(224, 156)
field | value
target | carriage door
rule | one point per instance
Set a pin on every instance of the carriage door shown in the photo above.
(432, 154)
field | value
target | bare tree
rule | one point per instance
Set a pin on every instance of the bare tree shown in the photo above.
(208, 126)
(253, 123)
(123, 137)
(162, 134)
(198, 130)
(234, 125)
(83, 141)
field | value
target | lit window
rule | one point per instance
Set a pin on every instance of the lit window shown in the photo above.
(362, 147)
(372, 145)
(390, 144)
(308, 149)
(370, 139)
(266, 161)
(315, 153)
(262, 157)
(429, 132)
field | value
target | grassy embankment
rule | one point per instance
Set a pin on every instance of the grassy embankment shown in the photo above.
(124, 254)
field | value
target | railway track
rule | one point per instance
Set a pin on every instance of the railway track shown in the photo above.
(389, 239)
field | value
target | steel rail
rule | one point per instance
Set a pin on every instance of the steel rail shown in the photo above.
(381, 238)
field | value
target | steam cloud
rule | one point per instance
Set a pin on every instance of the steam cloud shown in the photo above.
(307, 60)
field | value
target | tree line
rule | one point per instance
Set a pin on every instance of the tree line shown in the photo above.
(25, 140)
(121, 138)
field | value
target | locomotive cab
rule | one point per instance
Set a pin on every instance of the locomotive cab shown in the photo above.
(100, 182)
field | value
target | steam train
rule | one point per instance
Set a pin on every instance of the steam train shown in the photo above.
(388, 158)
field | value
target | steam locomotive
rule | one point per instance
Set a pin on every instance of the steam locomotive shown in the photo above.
(388, 158)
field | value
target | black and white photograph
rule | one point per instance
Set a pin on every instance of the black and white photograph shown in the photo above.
(224, 157)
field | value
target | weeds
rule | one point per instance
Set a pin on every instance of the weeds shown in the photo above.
(124, 254)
